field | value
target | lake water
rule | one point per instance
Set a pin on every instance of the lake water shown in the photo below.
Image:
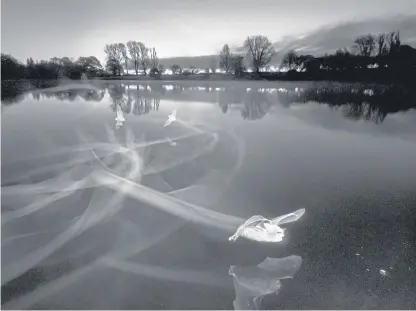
(105, 208)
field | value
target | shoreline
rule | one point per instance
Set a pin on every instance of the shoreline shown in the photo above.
(381, 78)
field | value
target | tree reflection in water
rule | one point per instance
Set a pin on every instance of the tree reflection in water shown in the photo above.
(256, 106)
(357, 102)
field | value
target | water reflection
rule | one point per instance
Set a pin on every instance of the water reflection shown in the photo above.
(70, 93)
(252, 283)
(88, 207)
(133, 100)
(120, 119)
(92, 189)
(256, 105)
(356, 102)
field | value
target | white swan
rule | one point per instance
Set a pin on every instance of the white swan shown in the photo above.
(261, 229)
(120, 117)
(171, 118)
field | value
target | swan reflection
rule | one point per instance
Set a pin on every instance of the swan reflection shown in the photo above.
(120, 119)
(252, 283)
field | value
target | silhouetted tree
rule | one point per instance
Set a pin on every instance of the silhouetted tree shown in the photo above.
(176, 69)
(114, 52)
(365, 45)
(161, 68)
(393, 40)
(113, 65)
(186, 72)
(226, 58)
(381, 44)
(134, 51)
(312, 65)
(237, 65)
(154, 61)
(89, 65)
(260, 50)
(144, 57)
(342, 52)
(123, 51)
(154, 72)
(11, 68)
(290, 59)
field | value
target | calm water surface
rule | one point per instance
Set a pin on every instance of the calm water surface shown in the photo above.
(104, 208)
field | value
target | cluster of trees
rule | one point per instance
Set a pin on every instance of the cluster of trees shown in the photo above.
(259, 50)
(356, 103)
(142, 57)
(382, 44)
(384, 50)
(55, 68)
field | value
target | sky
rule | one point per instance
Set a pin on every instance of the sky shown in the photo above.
(43, 29)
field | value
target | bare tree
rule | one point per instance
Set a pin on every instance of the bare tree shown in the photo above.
(260, 50)
(154, 61)
(365, 45)
(123, 52)
(226, 58)
(290, 59)
(393, 41)
(134, 51)
(381, 44)
(144, 57)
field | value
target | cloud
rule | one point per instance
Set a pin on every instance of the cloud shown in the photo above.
(324, 40)
(330, 38)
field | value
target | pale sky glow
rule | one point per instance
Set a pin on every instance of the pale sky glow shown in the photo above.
(47, 28)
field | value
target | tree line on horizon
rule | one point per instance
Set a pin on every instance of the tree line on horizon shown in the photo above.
(385, 50)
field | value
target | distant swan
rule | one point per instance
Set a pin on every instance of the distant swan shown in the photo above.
(120, 117)
(171, 118)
